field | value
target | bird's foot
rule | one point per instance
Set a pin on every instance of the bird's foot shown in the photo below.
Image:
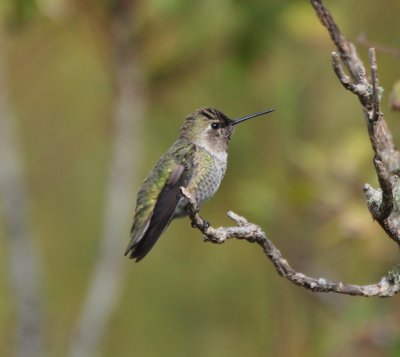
(203, 226)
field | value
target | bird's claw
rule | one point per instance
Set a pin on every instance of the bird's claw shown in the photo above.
(203, 226)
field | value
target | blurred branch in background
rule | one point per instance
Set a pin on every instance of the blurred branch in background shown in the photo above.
(107, 276)
(363, 40)
(23, 258)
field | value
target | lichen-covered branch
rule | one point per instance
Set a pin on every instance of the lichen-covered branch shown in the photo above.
(383, 203)
(389, 285)
(386, 157)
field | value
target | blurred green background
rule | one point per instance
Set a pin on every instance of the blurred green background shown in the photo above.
(298, 173)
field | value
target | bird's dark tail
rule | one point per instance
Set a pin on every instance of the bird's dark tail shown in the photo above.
(140, 248)
(163, 212)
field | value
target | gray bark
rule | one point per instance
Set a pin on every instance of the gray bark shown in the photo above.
(382, 203)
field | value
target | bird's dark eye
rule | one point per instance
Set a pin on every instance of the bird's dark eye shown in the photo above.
(215, 125)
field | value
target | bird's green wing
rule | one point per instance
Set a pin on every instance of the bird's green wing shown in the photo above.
(157, 201)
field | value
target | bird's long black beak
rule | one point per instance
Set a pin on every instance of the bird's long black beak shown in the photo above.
(237, 121)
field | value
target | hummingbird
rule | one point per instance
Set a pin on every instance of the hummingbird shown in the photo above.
(196, 161)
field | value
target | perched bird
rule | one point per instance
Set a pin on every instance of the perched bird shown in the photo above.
(196, 161)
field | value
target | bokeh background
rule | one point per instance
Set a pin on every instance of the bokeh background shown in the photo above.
(72, 70)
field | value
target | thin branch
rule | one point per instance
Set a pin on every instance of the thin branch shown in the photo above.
(368, 94)
(384, 178)
(375, 85)
(389, 285)
(386, 157)
(358, 89)
(346, 49)
(381, 203)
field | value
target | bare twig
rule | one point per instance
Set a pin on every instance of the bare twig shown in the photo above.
(386, 157)
(358, 89)
(388, 285)
(383, 204)
(375, 85)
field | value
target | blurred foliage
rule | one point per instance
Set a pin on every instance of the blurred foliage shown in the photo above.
(298, 173)
(22, 12)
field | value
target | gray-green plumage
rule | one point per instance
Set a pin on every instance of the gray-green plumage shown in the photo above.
(196, 161)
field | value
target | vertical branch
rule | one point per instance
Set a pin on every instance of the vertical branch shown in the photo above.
(23, 257)
(380, 135)
(386, 157)
(107, 276)
(375, 84)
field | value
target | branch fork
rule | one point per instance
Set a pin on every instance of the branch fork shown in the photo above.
(388, 285)
(383, 203)
(386, 157)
